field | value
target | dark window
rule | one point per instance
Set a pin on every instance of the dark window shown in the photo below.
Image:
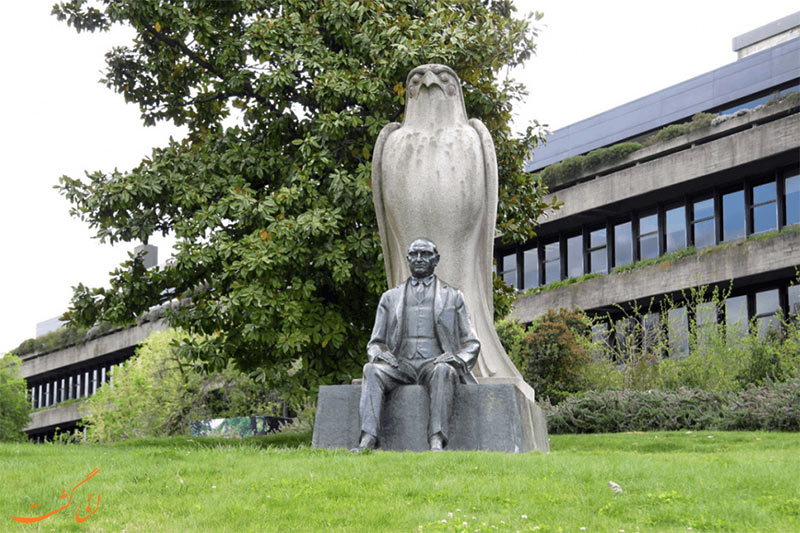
(509, 272)
(601, 339)
(793, 200)
(733, 226)
(626, 337)
(703, 223)
(706, 317)
(530, 260)
(676, 229)
(651, 327)
(598, 259)
(794, 299)
(574, 256)
(765, 208)
(623, 244)
(648, 236)
(678, 329)
(552, 263)
(767, 307)
(736, 316)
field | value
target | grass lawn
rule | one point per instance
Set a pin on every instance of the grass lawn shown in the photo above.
(671, 481)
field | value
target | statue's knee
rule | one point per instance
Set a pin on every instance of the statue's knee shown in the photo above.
(445, 370)
(369, 369)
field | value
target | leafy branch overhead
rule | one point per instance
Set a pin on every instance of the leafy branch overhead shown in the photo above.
(269, 193)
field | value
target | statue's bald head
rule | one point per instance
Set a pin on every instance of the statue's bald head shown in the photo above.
(422, 257)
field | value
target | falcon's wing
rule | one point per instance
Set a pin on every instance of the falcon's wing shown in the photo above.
(388, 240)
(490, 169)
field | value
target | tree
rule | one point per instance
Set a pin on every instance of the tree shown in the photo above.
(278, 257)
(14, 406)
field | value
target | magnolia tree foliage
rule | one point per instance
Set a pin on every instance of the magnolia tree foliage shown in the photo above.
(15, 408)
(269, 196)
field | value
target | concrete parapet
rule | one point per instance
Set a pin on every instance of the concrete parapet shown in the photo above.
(679, 168)
(36, 364)
(497, 417)
(55, 416)
(735, 260)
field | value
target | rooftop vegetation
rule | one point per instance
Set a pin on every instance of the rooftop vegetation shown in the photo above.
(571, 168)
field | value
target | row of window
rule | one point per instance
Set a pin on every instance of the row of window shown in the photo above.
(749, 207)
(72, 387)
(763, 308)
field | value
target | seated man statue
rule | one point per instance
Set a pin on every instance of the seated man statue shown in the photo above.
(422, 335)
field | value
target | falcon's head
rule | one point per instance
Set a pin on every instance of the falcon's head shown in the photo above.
(434, 92)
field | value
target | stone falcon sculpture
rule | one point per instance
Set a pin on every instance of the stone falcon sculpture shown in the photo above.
(435, 176)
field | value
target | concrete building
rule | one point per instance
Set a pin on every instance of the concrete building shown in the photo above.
(716, 205)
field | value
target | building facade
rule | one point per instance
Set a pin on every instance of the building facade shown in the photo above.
(709, 197)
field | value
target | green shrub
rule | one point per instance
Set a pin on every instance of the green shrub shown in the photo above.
(61, 338)
(553, 356)
(772, 406)
(15, 408)
(512, 335)
(720, 359)
(609, 155)
(666, 133)
(699, 121)
(156, 394)
(702, 120)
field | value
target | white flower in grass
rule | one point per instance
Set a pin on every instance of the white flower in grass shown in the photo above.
(615, 488)
(450, 515)
(583, 528)
(524, 517)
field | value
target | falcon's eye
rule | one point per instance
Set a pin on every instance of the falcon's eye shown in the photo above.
(444, 76)
(415, 79)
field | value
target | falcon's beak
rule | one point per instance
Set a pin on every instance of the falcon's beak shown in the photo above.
(430, 79)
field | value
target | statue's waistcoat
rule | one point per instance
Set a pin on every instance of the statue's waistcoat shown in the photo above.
(419, 339)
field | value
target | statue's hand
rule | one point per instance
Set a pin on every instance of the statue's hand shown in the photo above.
(387, 357)
(452, 360)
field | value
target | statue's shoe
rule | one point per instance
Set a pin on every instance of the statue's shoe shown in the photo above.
(368, 442)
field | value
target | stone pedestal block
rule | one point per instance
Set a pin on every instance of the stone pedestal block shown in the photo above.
(496, 417)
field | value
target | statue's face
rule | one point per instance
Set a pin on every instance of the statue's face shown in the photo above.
(430, 77)
(422, 258)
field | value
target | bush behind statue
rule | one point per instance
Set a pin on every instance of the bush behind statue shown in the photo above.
(549, 352)
(772, 407)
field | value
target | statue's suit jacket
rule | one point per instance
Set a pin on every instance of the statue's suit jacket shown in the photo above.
(452, 325)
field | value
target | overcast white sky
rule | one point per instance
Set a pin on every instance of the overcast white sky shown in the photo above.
(57, 118)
